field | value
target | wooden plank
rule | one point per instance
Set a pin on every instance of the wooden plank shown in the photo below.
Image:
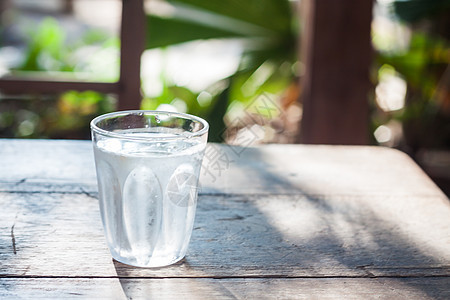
(68, 166)
(38, 165)
(268, 236)
(132, 37)
(336, 51)
(205, 288)
(30, 86)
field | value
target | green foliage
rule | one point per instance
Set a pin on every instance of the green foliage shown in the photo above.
(425, 117)
(58, 116)
(426, 54)
(50, 50)
(46, 43)
(268, 31)
(415, 10)
(74, 110)
(64, 116)
(274, 15)
(166, 31)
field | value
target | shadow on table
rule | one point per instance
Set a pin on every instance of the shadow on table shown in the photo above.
(158, 287)
(240, 238)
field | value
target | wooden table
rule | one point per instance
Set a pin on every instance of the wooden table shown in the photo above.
(273, 222)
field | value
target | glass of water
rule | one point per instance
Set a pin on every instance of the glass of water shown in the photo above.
(148, 165)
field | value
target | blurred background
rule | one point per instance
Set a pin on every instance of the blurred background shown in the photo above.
(239, 64)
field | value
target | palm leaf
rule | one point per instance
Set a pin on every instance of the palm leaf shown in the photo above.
(415, 10)
(162, 32)
(274, 15)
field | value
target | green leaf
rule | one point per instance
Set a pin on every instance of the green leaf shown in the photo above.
(415, 10)
(274, 15)
(216, 117)
(189, 97)
(162, 32)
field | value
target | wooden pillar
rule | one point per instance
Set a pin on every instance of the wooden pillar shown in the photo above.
(4, 5)
(132, 38)
(336, 50)
(68, 7)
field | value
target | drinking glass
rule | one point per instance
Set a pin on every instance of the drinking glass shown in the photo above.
(148, 164)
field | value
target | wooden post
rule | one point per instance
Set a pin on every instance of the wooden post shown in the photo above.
(4, 5)
(336, 51)
(132, 45)
(68, 7)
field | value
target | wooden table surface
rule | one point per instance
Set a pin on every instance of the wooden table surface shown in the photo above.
(273, 222)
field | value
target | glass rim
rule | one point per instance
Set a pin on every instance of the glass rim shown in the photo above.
(186, 135)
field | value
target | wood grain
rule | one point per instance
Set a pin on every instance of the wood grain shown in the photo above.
(263, 236)
(68, 166)
(207, 288)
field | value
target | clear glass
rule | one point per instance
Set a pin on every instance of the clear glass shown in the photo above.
(148, 164)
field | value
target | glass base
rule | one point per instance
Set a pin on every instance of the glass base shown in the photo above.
(154, 262)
